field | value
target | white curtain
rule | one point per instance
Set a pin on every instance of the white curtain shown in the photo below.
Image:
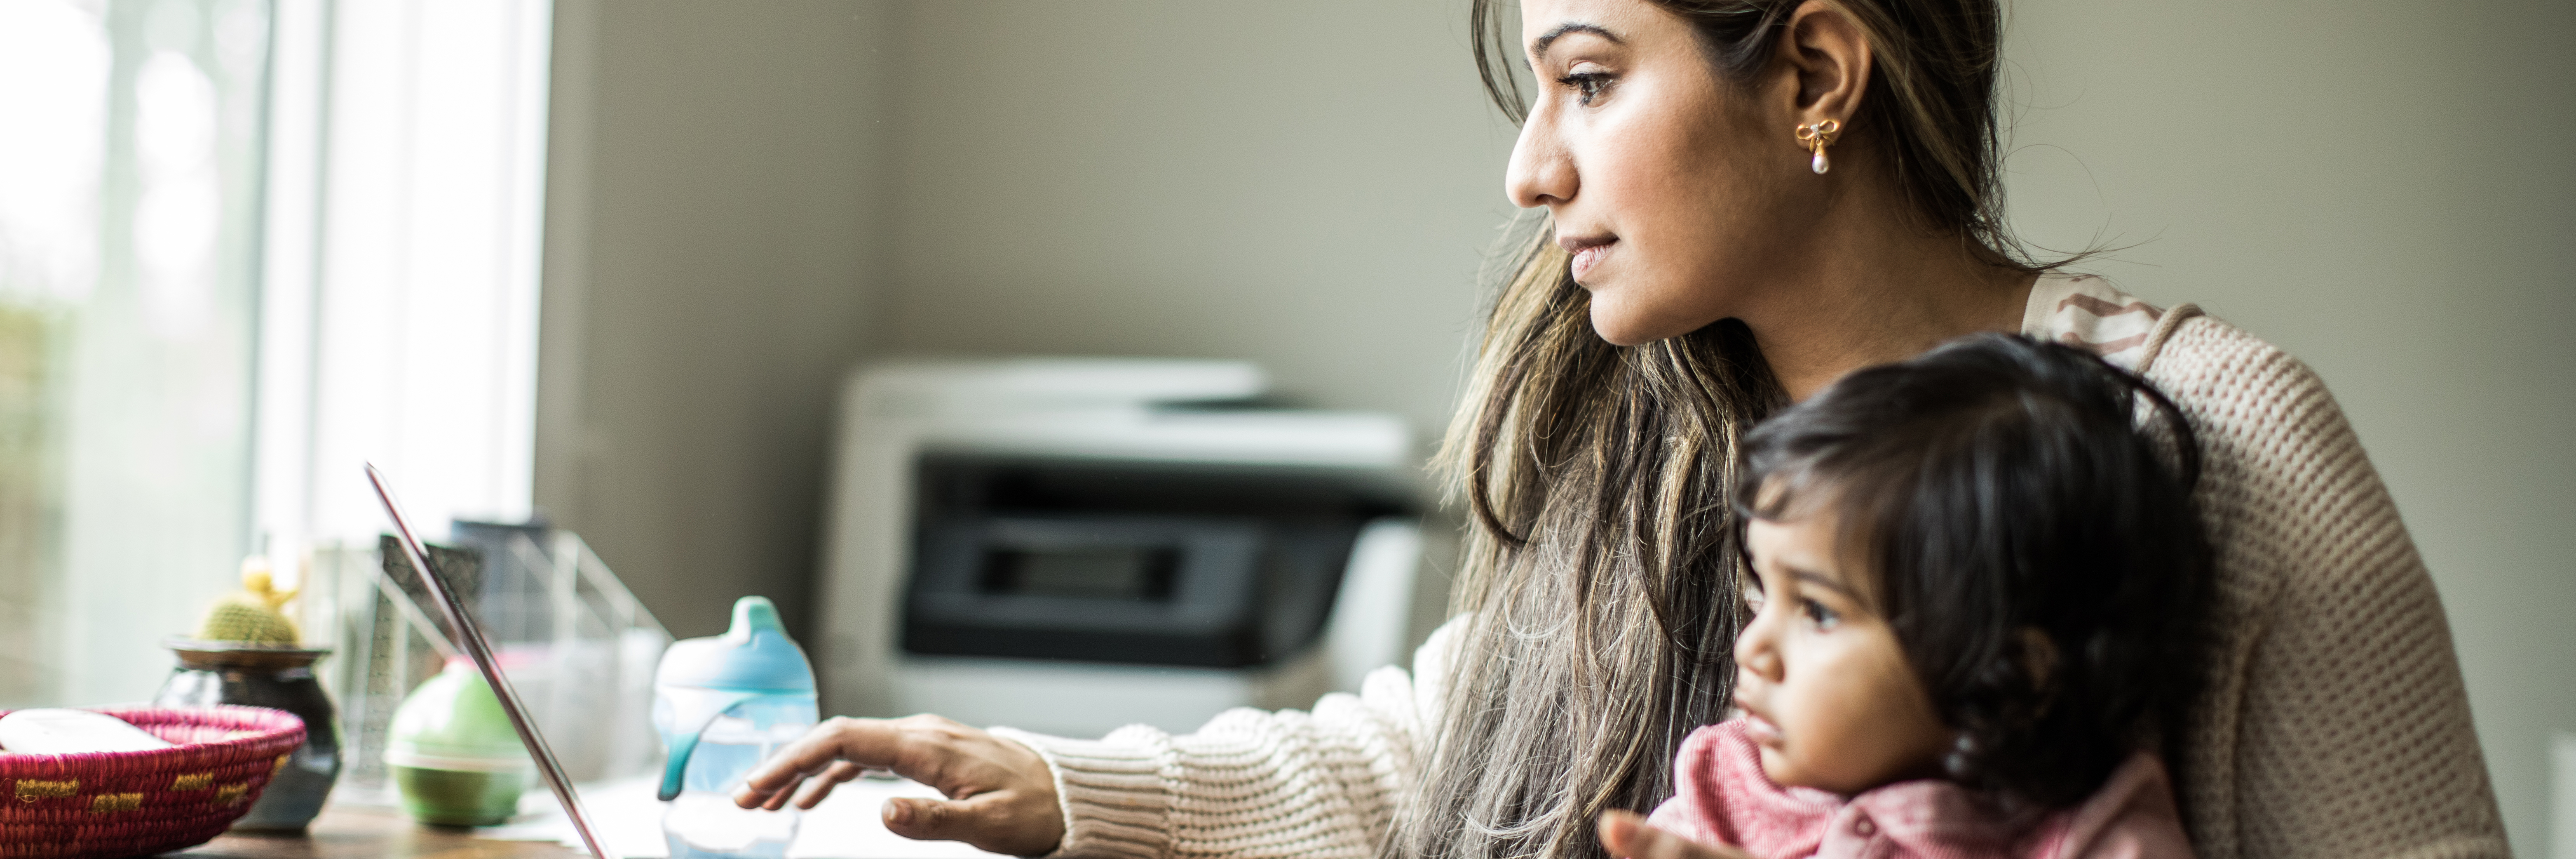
(246, 245)
(401, 297)
(129, 187)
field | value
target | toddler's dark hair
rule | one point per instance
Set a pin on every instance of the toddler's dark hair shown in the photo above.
(1997, 485)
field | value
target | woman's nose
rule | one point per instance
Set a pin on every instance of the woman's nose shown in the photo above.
(1542, 171)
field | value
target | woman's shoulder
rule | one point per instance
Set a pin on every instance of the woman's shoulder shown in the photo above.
(2230, 381)
(2322, 605)
(2283, 474)
(2246, 397)
(2206, 358)
(2293, 505)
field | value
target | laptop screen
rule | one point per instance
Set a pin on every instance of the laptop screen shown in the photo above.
(479, 648)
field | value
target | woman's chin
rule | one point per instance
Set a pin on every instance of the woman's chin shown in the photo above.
(1629, 329)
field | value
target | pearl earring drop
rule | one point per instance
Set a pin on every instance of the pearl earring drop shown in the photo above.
(1814, 137)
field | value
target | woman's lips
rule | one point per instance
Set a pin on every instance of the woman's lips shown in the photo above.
(1589, 255)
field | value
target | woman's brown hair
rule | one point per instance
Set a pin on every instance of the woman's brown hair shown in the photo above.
(1600, 580)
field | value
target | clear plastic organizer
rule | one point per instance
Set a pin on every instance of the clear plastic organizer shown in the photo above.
(574, 642)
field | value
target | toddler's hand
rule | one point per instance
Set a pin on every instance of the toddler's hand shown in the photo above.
(1626, 834)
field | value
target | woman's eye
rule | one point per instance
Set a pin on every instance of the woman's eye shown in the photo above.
(1586, 85)
(1817, 613)
(1753, 600)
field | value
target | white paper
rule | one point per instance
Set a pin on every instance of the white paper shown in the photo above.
(848, 825)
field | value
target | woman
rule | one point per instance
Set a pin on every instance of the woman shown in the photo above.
(1747, 199)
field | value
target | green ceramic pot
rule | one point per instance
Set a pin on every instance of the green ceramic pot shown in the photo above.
(453, 753)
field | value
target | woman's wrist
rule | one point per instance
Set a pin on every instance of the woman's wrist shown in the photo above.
(1110, 792)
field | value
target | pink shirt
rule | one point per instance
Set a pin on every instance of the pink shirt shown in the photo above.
(1724, 798)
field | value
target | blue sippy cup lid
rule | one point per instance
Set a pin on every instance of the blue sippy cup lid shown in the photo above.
(701, 678)
(754, 656)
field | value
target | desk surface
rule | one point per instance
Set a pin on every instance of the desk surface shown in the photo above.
(369, 833)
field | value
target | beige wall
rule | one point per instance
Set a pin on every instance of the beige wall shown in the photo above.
(773, 190)
(712, 198)
(1310, 185)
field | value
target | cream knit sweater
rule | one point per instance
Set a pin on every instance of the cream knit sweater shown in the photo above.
(2334, 723)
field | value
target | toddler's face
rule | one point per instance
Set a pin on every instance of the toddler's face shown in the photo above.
(1821, 679)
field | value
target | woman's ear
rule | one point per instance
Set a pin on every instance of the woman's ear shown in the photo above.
(1827, 50)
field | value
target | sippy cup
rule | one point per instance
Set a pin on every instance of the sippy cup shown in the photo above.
(723, 705)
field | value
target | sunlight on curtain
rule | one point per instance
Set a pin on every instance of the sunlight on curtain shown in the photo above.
(246, 245)
(401, 296)
(129, 190)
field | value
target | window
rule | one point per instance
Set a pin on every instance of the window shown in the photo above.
(246, 245)
(129, 184)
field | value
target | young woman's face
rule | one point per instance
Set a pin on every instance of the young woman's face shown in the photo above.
(1827, 691)
(1677, 192)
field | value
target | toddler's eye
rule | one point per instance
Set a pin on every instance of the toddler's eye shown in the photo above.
(1752, 594)
(1817, 613)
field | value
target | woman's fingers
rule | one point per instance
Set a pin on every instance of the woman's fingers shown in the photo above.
(1002, 796)
(866, 742)
(764, 800)
(1626, 834)
(820, 786)
(983, 820)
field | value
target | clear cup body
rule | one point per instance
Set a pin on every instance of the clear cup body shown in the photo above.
(702, 822)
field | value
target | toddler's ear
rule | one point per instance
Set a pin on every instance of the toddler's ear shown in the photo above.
(2038, 656)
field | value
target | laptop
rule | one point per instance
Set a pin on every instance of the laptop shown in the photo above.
(479, 649)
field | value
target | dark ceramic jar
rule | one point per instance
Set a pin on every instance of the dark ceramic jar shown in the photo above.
(224, 672)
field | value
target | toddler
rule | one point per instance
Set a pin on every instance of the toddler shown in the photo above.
(1976, 583)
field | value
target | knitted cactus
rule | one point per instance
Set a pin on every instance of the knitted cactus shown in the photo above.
(252, 615)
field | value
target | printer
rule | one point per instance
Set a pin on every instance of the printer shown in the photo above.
(1072, 545)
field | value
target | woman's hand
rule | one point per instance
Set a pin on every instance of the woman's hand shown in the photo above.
(1001, 797)
(1626, 834)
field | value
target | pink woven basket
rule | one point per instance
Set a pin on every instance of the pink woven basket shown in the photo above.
(141, 803)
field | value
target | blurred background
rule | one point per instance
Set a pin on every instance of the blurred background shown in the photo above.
(612, 260)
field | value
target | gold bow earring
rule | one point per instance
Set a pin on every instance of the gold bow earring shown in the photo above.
(1815, 136)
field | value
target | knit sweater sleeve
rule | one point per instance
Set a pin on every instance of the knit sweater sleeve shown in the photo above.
(1251, 783)
(2334, 722)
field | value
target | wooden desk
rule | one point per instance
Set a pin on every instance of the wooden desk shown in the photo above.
(370, 833)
